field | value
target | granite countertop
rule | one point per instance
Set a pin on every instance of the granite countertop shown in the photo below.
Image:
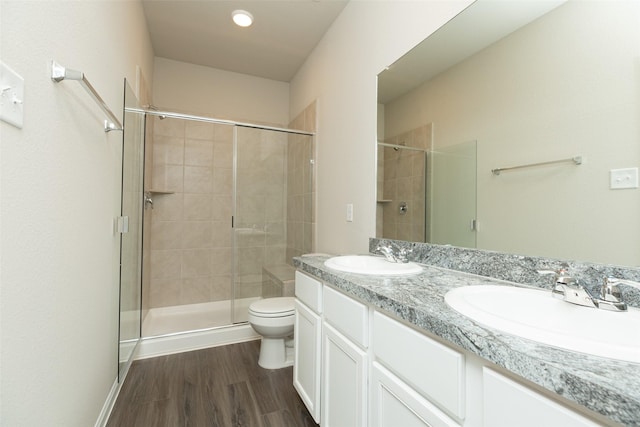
(606, 386)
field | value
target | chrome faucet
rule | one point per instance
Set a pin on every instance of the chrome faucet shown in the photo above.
(402, 256)
(570, 290)
(611, 295)
(387, 252)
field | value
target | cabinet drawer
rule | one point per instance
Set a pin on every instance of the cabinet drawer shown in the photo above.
(346, 315)
(309, 291)
(432, 369)
(507, 403)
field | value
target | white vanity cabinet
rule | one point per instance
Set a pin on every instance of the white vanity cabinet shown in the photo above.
(355, 367)
(307, 335)
(344, 361)
(330, 362)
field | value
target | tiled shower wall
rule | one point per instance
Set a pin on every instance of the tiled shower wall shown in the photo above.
(401, 178)
(301, 186)
(190, 227)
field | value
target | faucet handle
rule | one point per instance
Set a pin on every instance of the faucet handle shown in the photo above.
(611, 295)
(403, 255)
(562, 276)
(610, 290)
(616, 281)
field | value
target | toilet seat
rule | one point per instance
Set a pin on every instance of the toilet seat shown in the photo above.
(273, 307)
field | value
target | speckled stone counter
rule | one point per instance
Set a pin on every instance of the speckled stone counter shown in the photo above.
(608, 387)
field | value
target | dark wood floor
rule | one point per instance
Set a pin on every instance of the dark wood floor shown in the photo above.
(220, 386)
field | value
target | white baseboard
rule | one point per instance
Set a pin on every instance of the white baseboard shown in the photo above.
(108, 404)
(195, 340)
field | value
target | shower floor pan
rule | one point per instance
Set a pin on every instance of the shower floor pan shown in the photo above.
(191, 317)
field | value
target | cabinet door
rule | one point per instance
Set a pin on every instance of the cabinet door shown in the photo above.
(394, 403)
(344, 385)
(307, 358)
(507, 403)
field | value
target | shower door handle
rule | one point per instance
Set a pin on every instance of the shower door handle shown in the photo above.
(148, 200)
(122, 224)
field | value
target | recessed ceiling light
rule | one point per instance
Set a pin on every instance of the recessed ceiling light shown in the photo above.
(242, 18)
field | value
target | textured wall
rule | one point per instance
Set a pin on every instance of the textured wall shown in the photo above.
(60, 193)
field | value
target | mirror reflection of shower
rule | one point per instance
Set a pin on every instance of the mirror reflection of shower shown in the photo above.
(401, 190)
(231, 206)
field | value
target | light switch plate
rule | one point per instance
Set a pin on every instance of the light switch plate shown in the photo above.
(624, 178)
(349, 212)
(11, 97)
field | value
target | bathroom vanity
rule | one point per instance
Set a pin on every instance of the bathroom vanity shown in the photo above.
(388, 351)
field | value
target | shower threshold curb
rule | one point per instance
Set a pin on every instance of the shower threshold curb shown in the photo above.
(194, 340)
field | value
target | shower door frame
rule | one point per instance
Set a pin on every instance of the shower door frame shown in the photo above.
(132, 233)
(151, 111)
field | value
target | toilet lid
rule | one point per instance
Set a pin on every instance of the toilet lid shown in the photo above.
(273, 307)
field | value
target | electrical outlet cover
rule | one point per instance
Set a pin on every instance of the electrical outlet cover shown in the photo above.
(624, 178)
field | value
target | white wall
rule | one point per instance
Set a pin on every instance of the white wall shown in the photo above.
(59, 194)
(188, 88)
(341, 74)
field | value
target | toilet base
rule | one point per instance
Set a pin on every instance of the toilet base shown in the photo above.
(274, 354)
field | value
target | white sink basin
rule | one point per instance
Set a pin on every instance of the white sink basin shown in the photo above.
(368, 264)
(536, 315)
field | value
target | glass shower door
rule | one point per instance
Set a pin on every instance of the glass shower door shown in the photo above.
(131, 238)
(259, 217)
(272, 213)
(452, 201)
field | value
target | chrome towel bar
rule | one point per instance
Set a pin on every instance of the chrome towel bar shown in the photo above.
(59, 73)
(577, 160)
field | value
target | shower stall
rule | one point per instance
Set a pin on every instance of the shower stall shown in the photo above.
(227, 206)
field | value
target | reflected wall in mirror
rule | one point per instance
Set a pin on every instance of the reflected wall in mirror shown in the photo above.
(559, 83)
(131, 241)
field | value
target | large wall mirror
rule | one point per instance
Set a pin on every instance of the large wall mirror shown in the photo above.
(508, 84)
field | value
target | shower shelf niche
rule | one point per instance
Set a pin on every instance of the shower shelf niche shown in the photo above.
(152, 191)
(384, 201)
(149, 194)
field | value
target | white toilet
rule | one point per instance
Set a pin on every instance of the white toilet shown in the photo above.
(273, 319)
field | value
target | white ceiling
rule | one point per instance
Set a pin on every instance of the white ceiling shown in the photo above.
(201, 32)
